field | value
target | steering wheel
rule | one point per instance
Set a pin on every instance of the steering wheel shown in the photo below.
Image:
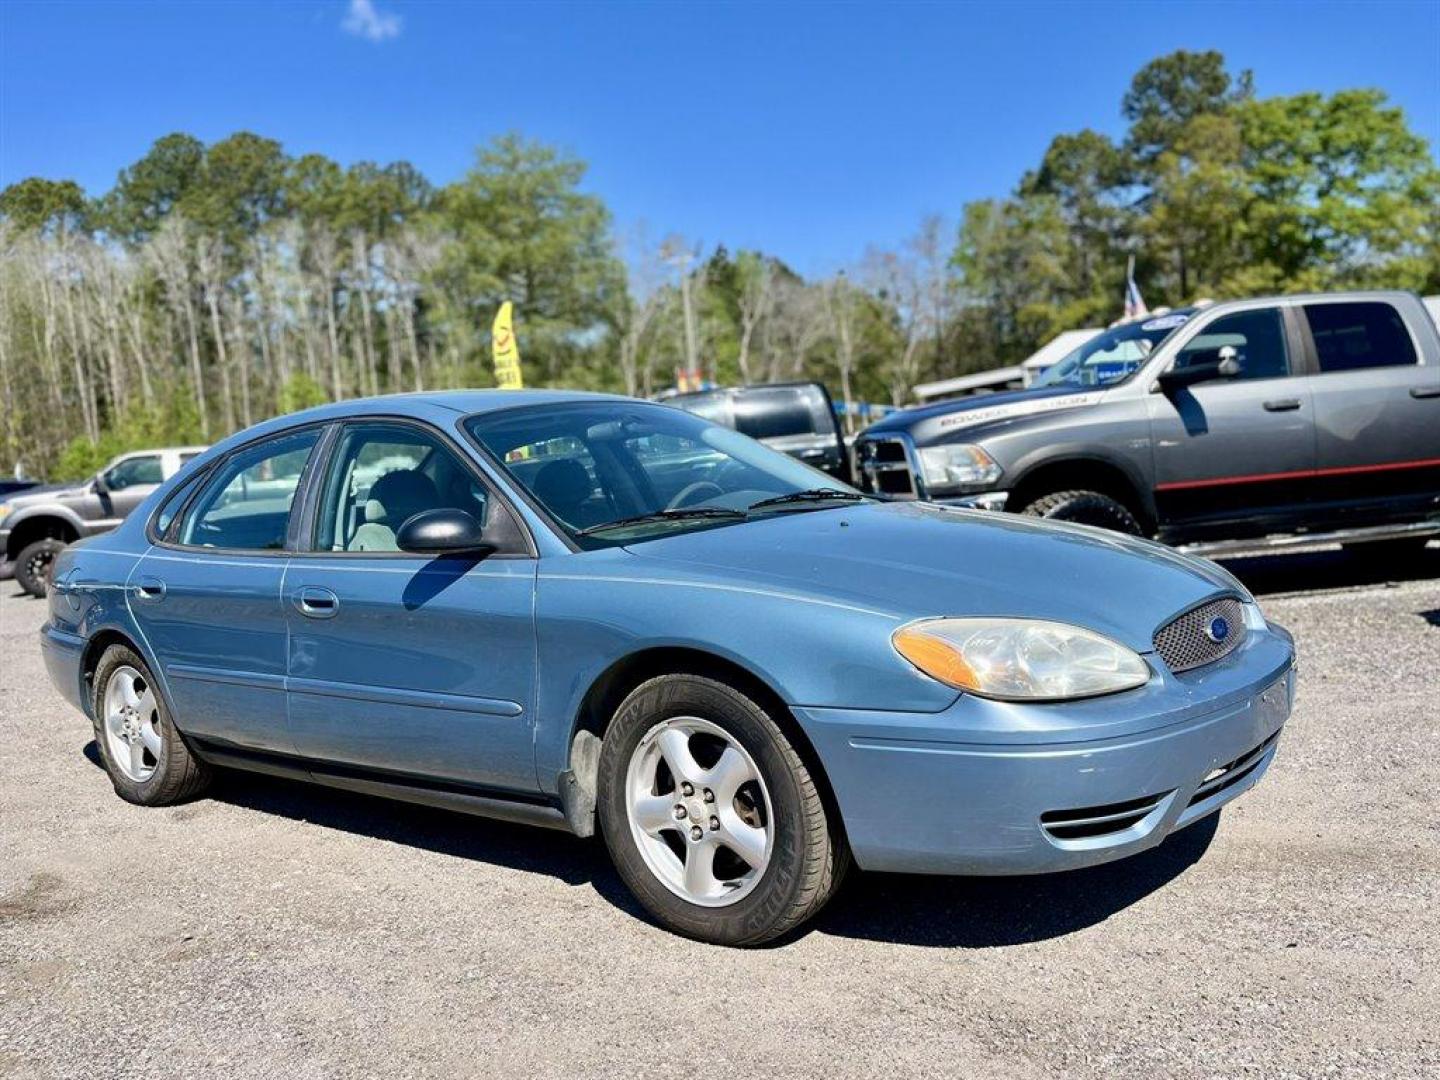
(682, 497)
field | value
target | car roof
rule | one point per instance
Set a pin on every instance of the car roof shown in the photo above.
(437, 406)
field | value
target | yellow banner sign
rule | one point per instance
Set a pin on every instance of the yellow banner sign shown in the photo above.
(506, 351)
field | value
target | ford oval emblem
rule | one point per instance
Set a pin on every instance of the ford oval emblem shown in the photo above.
(1218, 629)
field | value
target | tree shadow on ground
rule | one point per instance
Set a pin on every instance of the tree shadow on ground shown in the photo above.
(947, 912)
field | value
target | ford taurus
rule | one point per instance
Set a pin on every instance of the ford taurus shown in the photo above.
(600, 614)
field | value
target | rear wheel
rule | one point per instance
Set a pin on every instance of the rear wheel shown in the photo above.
(713, 819)
(34, 564)
(1085, 508)
(147, 761)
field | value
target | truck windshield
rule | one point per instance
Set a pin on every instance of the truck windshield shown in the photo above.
(1114, 355)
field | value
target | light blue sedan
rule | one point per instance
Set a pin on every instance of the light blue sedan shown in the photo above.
(595, 613)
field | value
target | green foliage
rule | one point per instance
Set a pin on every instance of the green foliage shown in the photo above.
(524, 231)
(298, 392)
(38, 205)
(1217, 192)
(172, 421)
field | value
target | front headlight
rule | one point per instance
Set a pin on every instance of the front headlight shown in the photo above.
(1020, 659)
(5, 509)
(957, 465)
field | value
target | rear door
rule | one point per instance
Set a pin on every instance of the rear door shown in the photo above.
(207, 595)
(1377, 414)
(408, 666)
(1232, 454)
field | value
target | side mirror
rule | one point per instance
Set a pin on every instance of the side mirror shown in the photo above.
(443, 532)
(1229, 365)
(1226, 366)
(99, 486)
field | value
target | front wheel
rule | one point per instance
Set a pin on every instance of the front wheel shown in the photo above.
(35, 563)
(1085, 508)
(714, 821)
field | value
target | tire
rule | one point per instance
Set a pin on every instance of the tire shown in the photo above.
(1085, 508)
(168, 776)
(806, 856)
(34, 563)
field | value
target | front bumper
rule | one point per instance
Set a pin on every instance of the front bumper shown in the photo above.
(994, 788)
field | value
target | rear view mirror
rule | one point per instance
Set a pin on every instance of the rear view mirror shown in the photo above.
(443, 532)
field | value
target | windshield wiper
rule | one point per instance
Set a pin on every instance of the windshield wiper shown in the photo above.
(811, 495)
(679, 514)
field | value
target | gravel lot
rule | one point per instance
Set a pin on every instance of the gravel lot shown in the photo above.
(277, 930)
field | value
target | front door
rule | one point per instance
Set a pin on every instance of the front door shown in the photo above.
(207, 598)
(409, 667)
(1377, 416)
(1232, 454)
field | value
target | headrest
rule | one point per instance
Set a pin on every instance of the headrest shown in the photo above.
(399, 495)
(563, 483)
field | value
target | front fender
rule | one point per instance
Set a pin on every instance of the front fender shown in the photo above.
(15, 523)
(596, 609)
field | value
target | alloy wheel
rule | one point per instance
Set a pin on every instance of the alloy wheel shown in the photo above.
(699, 811)
(132, 724)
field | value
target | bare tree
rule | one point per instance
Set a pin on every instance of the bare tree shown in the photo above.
(756, 278)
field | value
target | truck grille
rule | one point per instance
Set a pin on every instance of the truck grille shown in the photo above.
(885, 467)
(1191, 640)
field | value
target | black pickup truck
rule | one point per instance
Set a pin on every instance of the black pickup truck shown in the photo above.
(1277, 421)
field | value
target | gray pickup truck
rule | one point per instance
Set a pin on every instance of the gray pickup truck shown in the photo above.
(1282, 421)
(36, 524)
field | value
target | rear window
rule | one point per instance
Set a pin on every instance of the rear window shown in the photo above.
(1354, 336)
(775, 413)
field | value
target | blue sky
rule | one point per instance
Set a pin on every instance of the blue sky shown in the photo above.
(810, 130)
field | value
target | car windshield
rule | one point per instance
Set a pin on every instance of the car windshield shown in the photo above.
(612, 472)
(1113, 356)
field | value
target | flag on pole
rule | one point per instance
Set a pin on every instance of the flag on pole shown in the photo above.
(505, 350)
(1134, 303)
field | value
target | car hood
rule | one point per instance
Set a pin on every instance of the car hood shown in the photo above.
(41, 494)
(914, 560)
(930, 423)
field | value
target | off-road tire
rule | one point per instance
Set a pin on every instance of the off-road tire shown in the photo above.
(178, 775)
(34, 563)
(1085, 508)
(809, 856)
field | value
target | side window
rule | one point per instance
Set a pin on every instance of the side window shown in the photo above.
(246, 504)
(1258, 338)
(383, 474)
(134, 471)
(1352, 336)
(174, 502)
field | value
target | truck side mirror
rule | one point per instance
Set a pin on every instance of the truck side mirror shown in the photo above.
(99, 486)
(1229, 365)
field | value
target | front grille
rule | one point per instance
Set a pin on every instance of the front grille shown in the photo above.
(885, 467)
(1089, 822)
(1190, 641)
(1232, 772)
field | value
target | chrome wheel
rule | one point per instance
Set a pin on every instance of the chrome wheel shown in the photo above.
(699, 811)
(132, 721)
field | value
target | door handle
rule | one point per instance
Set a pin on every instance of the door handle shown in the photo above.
(1424, 391)
(1282, 404)
(149, 588)
(317, 603)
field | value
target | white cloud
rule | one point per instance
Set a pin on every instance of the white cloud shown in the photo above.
(364, 20)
